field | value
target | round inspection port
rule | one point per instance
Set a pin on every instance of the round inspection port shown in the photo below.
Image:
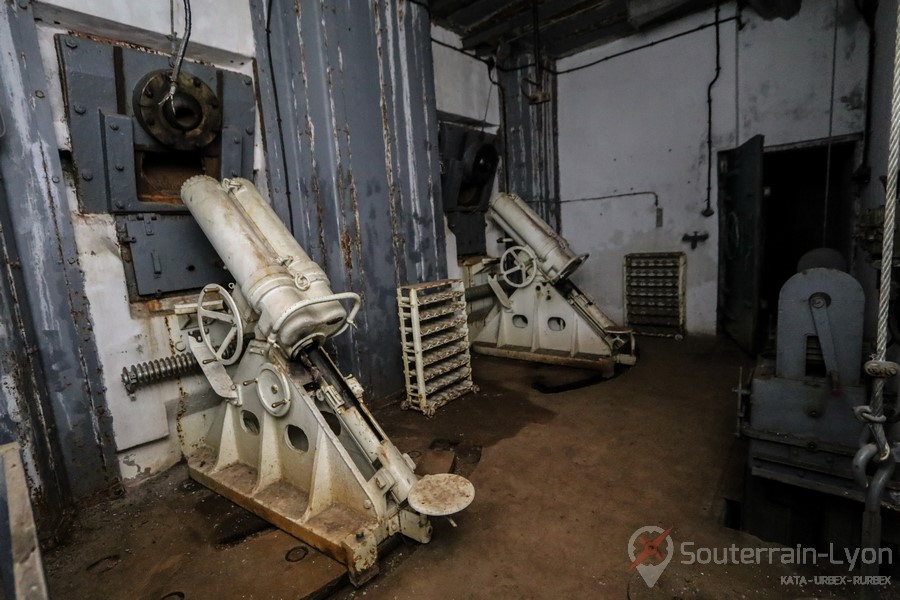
(520, 321)
(250, 422)
(296, 438)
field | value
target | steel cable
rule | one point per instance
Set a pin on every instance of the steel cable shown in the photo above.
(876, 406)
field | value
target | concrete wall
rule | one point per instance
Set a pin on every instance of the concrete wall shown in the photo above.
(632, 131)
(462, 86)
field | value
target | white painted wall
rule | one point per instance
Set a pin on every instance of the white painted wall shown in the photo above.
(144, 425)
(462, 85)
(637, 124)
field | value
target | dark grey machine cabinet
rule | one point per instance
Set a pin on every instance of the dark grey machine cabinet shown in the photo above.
(134, 144)
(469, 161)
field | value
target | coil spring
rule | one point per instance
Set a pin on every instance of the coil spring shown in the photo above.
(158, 370)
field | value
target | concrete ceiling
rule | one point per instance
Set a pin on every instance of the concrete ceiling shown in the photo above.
(564, 26)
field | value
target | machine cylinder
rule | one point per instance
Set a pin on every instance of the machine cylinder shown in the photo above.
(278, 239)
(555, 259)
(257, 254)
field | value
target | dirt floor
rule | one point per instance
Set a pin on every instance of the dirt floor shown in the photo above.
(562, 482)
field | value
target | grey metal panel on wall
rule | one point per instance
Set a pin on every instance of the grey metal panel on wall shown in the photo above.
(411, 129)
(25, 410)
(52, 281)
(529, 165)
(356, 156)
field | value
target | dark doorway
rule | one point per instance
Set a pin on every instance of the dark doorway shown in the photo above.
(775, 205)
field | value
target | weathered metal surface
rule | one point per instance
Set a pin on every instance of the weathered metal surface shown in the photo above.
(357, 175)
(118, 136)
(529, 165)
(441, 494)
(168, 253)
(434, 337)
(21, 569)
(800, 414)
(546, 318)
(52, 281)
(24, 401)
(291, 439)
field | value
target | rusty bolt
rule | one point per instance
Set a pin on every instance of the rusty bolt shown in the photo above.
(120, 167)
(120, 204)
(54, 179)
(39, 93)
(247, 81)
(79, 109)
(249, 131)
(70, 43)
(236, 140)
(360, 536)
(114, 126)
(87, 175)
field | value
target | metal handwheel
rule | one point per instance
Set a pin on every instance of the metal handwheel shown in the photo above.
(205, 317)
(518, 266)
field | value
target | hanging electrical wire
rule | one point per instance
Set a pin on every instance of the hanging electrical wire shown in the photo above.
(708, 210)
(830, 127)
(178, 56)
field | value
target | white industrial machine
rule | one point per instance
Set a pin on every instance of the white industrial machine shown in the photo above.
(545, 318)
(290, 438)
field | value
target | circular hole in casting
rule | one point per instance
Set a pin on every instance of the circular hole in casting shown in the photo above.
(556, 324)
(296, 438)
(249, 422)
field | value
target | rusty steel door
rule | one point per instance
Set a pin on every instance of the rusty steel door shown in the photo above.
(741, 240)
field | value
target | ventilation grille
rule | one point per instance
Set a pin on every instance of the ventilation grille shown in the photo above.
(654, 293)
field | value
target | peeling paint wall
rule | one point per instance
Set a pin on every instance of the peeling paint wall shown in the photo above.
(632, 132)
(359, 180)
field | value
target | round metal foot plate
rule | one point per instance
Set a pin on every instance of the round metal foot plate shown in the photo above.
(441, 495)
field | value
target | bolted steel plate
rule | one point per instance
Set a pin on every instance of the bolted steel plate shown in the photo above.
(441, 495)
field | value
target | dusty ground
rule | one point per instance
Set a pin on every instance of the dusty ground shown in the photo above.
(562, 481)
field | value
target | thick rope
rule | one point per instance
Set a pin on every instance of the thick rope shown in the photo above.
(876, 406)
